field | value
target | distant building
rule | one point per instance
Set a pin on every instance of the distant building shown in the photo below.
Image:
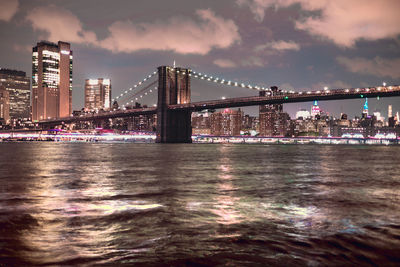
(51, 80)
(272, 120)
(144, 122)
(4, 106)
(18, 87)
(249, 122)
(302, 114)
(315, 110)
(227, 122)
(365, 108)
(201, 123)
(97, 94)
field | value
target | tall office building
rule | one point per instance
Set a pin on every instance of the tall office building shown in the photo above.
(4, 105)
(97, 94)
(18, 87)
(273, 121)
(51, 80)
(390, 112)
(227, 122)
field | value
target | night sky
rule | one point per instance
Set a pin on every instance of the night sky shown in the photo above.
(294, 44)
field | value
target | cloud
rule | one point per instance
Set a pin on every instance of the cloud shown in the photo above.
(253, 61)
(278, 45)
(338, 84)
(286, 86)
(59, 24)
(22, 48)
(178, 34)
(224, 63)
(342, 21)
(377, 66)
(8, 9)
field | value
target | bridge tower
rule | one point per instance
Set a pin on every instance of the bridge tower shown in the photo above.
(173, 88)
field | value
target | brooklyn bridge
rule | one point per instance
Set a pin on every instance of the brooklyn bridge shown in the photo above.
(174, 105)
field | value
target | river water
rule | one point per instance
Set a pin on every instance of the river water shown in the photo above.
(198, 204)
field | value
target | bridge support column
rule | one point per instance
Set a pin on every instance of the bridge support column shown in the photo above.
(173, 126)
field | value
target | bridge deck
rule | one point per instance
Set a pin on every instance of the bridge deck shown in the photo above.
(294, 97)
(290, 97)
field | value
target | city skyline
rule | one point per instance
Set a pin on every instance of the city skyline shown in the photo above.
(239, 40)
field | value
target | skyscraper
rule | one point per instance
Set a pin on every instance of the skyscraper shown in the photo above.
(227, 122)
(365, 108)
(273, 121)
(390, 112)
(97, 94)
(4, 105)
(51, 80)
(18, 86)
(315, 110)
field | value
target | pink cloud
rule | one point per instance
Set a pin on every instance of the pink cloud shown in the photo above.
(178, 34)
(342, 21)
(377, 66)
(59, 24)
(8, 9)
(224, 63)
(279, 45)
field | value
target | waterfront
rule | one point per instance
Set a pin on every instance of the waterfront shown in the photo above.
(221, 204)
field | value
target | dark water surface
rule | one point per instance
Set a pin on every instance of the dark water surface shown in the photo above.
(191, 204)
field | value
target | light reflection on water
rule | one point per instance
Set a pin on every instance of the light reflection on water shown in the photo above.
(78, 204)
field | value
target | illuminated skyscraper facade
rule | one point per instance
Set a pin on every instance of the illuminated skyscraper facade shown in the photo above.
(4, 105)
(365, 107)
(227, 122)
(97, 94)
(51, 80)
(18, 87)
(315, 110)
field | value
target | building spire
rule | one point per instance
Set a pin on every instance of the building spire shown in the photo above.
(366, 106)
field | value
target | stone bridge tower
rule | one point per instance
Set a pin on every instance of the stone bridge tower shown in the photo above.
(173, 126)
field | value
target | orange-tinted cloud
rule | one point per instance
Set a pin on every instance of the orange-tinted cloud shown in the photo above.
(59, 24)
(342, 21)
(178, 34)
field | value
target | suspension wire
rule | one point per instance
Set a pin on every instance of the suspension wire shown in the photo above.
(209, 78)
(142, 92)
(134, 87)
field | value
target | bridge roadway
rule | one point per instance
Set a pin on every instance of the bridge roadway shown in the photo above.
(289, 97)
(292, 97)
